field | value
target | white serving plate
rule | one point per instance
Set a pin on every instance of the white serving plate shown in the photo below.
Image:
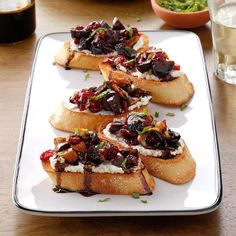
(49, 84)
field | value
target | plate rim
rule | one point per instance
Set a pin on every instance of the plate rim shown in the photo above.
(199, 211)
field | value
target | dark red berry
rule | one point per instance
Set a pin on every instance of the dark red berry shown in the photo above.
(45, 156)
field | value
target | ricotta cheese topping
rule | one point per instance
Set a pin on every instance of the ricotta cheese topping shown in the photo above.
(142, 150)
(107, 168)
(77, 168)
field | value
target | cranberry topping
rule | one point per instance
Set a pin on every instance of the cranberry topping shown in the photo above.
(153, 61)
(100, 38)
(111, 96)
(45, 156)
(88, 149)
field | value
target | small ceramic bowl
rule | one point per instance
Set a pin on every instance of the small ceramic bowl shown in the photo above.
(181, 20)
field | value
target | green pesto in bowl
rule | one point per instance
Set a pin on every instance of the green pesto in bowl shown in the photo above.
(183, 5)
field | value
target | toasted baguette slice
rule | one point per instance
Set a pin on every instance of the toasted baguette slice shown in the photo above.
(80, 60)
(126, 184)
(177, 170)
(172, 93)
(68, 120)
(84, 163)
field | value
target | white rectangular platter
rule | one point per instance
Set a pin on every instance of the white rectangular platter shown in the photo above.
(49, 84)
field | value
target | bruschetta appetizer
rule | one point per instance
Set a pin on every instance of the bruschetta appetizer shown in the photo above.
(153, 71)
(163, 151)
(83, 163)
(87, 108)
(89, 45)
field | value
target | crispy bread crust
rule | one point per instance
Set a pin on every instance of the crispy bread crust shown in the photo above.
(178, 170)
(68, 120)
(107, 183)
(81, 60)
(172, 93)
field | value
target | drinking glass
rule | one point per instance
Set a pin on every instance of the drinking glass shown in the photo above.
(223, 24)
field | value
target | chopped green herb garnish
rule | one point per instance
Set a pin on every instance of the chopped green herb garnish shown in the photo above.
(98, 30)
(135, 195)
(144, 201)
(145, 129)
(170, 114)
(76, 130)
(150, 56)
(101, 95)
(104, 199)
(183, 106)
(101, 145)
(123, 164)
(138, 19)
(86, 76)
(156, 114)
(129, 62)
(145, 111)
(131, 32)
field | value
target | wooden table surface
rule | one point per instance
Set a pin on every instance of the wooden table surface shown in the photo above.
(15, 65)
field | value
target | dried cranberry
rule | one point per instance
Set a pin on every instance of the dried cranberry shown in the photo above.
(45, 156)
(74, 139)
(110, 153)
(95, 106)
(79, 27)
(176, 67)
(93, 25)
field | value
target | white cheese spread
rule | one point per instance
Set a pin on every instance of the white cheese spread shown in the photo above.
(77, 168)
(107, 168)
(142, 150)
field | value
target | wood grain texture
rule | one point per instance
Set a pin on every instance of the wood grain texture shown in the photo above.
(15, 64)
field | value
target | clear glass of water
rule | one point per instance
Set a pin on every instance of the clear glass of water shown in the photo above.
(223, 20)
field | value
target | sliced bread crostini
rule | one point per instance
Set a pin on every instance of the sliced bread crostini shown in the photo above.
(89, 45)
(84, 163)
(163, 151)
(153, 71)
(87, 108)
